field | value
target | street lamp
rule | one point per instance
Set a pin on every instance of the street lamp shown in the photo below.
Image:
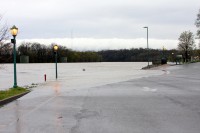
(14, 31)
(55, 47)
(173, 57)
(147, 43)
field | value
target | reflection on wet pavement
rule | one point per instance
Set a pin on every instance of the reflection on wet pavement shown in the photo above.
(56, 88)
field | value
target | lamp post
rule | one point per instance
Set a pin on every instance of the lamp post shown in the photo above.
(55, 47)
(173, 57)
(14, 31)
(147, 43)
(163, 52)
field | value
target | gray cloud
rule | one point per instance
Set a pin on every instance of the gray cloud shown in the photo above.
(100, 18)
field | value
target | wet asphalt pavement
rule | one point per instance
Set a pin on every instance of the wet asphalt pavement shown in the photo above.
(169, 103)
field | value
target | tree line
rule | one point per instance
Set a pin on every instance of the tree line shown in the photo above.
(40, 53)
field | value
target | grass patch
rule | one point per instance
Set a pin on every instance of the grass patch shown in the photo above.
(4, 94)
(195, 61)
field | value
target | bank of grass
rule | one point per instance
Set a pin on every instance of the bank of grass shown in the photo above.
(4, 94)
(195, 61)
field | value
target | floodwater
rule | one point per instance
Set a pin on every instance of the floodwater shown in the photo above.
(78, 75)
(85, 97)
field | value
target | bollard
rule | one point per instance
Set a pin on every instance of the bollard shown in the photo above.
(45, 77)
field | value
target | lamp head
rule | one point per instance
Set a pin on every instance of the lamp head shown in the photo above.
(55, 47)
(14, 30)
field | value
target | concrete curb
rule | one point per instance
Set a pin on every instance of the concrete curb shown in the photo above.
(156, 67)
(8, 100)
(151, 66)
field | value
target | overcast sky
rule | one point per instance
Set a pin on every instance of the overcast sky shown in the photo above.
(101, 24)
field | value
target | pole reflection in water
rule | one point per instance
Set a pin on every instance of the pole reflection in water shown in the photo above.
(56, 88)
(58, 114)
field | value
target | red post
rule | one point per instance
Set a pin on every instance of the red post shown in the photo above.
(45, 77)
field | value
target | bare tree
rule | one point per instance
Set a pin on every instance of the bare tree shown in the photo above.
(197, 23)
(3, 31)
(5, 48)
(186, 43)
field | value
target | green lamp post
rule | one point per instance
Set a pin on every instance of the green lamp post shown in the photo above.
(14, 31)
(55, 47)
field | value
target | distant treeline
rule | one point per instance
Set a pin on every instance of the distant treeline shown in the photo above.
(135, 55)
(40, 53)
